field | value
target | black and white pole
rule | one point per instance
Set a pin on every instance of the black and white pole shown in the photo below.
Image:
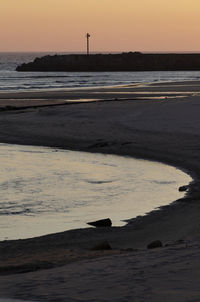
(88, 43)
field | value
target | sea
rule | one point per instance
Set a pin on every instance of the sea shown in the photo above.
(11, 80)
(45, 190)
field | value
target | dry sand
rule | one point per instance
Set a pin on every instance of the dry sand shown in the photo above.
(159, 122)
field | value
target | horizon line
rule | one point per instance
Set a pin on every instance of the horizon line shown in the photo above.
(98, 52)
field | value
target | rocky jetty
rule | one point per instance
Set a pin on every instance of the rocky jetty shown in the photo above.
(131, 61)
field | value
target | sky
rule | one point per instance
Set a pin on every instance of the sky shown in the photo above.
(114, 25)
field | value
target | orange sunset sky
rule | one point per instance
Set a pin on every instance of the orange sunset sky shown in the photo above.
(114, 25)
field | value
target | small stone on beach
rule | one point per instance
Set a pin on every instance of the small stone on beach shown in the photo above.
(155, 244)
(101, 223)
(183, 188)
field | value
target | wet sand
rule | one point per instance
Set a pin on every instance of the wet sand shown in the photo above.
(158, 122)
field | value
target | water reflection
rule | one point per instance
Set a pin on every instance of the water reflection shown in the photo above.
(45, 190)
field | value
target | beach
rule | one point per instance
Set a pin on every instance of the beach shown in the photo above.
(158, 122)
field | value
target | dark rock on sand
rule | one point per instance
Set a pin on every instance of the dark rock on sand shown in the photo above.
(101, 223)
(154, 244)
(102, 246)
(183, 188)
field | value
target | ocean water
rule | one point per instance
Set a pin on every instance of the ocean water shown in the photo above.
(45, 190)
(10, 80)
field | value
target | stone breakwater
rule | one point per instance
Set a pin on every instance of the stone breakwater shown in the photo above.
(131, 61)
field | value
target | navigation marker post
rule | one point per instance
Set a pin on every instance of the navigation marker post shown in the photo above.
(88, 43)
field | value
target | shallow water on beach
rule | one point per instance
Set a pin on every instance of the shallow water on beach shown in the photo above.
(46, 190)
